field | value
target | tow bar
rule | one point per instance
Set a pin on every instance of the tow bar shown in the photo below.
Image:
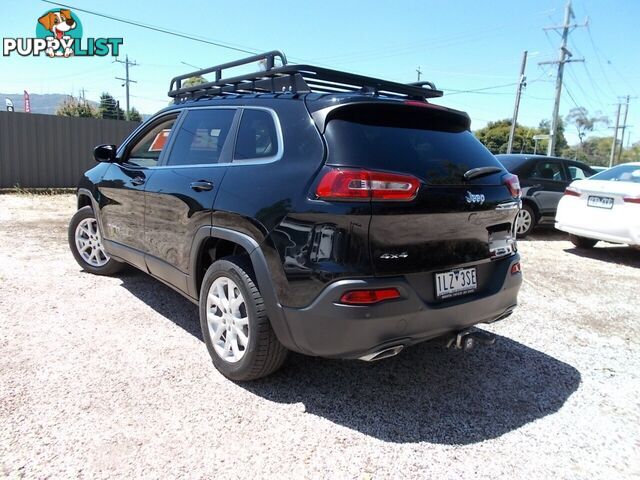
(467, 339)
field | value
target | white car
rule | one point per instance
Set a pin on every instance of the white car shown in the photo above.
(605, 207)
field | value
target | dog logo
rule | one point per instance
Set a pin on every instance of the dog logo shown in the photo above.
(59, 23)
(475, 198)
(59, 35)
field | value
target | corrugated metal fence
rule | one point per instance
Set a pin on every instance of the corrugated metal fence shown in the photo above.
(51, 151)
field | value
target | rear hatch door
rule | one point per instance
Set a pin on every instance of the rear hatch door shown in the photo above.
(452, 221)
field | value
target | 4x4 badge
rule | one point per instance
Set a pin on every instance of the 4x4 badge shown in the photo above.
(393, 256)
(474, 197)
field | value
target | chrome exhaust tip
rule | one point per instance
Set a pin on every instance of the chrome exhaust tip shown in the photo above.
(384, 353)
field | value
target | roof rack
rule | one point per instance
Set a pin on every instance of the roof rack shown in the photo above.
(293, 79)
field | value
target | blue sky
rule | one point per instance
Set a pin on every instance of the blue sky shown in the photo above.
(459, 45)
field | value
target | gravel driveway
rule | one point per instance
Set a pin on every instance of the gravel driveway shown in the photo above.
(104, 377)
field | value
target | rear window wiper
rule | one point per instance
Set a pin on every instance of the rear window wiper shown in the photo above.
(480, 172)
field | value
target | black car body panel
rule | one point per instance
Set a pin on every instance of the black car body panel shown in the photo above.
(163, 207)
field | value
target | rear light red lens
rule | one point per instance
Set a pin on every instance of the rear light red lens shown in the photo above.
(352, 184)
(516, 268)
(369, 297)
(632, 199)
(572, 192)
(513, 184)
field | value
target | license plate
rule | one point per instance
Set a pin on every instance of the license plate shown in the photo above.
(600, 202)
(456, 282)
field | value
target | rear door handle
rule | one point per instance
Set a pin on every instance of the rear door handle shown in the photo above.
(137, 181)
(201, 186)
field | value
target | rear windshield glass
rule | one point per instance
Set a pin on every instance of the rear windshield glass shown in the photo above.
(437, 152)
(510, 163)
(620, 173)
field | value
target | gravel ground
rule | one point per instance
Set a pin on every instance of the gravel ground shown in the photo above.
(106, 377)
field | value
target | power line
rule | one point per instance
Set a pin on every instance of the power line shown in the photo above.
(154, 28)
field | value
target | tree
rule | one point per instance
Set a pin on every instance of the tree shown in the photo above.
(109, 107)
(495, 136)
(579, 118)
(544, 127)
(134, 115)
(75, 107)
(193, 81)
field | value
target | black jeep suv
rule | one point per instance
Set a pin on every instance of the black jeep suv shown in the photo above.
(307, 209)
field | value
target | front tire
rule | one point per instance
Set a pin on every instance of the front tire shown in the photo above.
(525, 221)
(85, 241)
(582, 242)
(235, 326)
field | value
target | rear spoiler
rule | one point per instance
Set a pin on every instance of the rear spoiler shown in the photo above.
(456, 120)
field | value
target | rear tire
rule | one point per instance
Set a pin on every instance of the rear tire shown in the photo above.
(582, 242)
(85, 242)
(234, 322)
(525, 221)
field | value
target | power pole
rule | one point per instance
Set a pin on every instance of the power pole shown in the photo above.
(623, 128)
(565, 57)
(521, 84)
(419, 73)
(614, 143)
(127, 80)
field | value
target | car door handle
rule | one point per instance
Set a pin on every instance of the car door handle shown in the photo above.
(137, 180)
(201, 186)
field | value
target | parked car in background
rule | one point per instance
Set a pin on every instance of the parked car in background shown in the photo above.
(603, 207)
(543, 181)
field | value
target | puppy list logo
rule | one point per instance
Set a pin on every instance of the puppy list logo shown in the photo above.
(59, 34)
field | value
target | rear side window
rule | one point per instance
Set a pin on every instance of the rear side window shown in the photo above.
(576, 172)
(201, 137)
(548, 171)
(257, 136)
(401, 140)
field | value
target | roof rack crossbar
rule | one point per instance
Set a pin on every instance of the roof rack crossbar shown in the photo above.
(294, 79)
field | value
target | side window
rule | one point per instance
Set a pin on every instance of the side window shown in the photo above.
(576, 172)
(201, 137)
(146, 151)
(257, 136)
(548, 171)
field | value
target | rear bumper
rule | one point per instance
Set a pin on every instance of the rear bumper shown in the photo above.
(329, 329)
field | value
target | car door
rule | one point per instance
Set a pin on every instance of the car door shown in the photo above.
(122, 189)
(548, 180)
(179, 197)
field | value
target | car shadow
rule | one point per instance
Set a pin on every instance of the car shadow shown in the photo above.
(425, 394)
(545, 233)
(616, 254)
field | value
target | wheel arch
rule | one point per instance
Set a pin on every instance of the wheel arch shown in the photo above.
(207, 237)
(534, 207)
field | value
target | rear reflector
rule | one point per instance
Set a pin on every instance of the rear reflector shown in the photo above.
(352, 184)
(632, 199)
(572, 192)
(369, 297)
(513, 184)
(516, 268)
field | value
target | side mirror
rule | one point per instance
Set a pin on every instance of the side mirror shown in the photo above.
(105, 153)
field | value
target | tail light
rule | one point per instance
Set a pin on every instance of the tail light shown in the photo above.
(352, 184)
(572, 192)
(513, 184)
(369, 297)
(632, 199)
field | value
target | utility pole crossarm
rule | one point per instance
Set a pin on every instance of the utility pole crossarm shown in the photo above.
(127, 80)
(565, 57)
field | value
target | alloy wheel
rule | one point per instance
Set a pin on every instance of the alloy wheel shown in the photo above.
(523, 221)
(227, 319)
(89, 243)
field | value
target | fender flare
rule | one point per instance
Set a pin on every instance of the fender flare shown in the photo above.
(274, 309)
